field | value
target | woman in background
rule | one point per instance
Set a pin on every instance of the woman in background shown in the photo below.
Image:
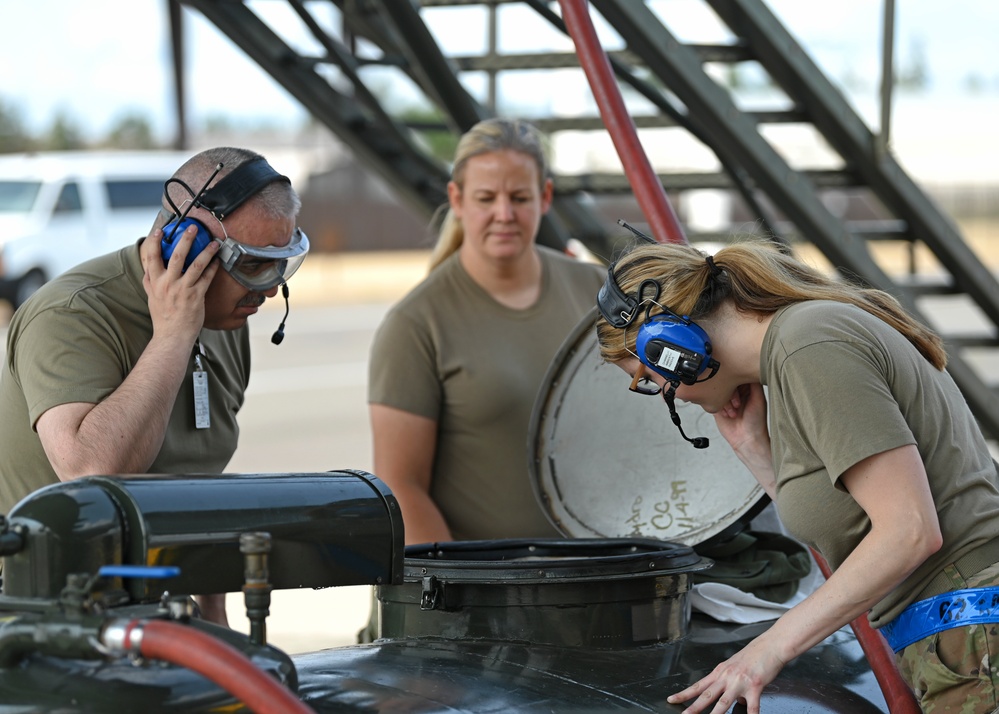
(456, 365)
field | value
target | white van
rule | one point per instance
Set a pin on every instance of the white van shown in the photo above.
(58, 209)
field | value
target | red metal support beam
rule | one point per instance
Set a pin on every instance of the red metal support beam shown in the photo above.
(649, 192)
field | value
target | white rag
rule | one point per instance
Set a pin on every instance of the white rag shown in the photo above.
(728, 604)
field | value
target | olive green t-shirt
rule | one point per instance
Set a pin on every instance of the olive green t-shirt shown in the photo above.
(75, 341)
(451, 353)
(843, 386)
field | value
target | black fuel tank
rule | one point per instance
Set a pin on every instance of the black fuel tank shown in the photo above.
(332, 528)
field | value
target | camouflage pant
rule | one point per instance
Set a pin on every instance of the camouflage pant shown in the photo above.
(955, 671)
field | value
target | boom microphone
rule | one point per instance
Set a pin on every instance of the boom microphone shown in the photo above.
(278, 335)
(698, 442)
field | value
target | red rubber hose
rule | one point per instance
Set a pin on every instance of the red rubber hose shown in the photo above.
(897, 693)
(221, 663)
(644, 182)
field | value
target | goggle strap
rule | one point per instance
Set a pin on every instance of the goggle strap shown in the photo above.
(228, 255)
(237, 187)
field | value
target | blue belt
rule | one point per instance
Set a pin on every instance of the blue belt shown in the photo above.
(957, 608)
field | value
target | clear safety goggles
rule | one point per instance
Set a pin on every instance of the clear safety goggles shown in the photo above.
(261, 269)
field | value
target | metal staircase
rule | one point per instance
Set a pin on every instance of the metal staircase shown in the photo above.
(356, 48)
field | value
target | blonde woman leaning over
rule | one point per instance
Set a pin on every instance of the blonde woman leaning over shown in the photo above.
(863, 441)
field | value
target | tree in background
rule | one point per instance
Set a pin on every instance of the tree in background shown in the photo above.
(64, 134)
(13, 135)
(131, 131)
(429, 125)
(914, 75)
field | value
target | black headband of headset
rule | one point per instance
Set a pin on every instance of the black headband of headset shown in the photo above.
(619, 309)
(244, 182)
(616, 307)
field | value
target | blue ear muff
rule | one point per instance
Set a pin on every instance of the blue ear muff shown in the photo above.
(675, 348)
(172, 232)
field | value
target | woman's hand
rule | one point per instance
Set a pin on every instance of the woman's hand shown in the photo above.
(744, 419)
(739, 679)
(743, 424)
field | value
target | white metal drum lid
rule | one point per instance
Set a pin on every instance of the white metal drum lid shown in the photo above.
(606, 462)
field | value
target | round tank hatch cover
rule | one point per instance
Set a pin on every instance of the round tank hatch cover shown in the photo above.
(608, 463)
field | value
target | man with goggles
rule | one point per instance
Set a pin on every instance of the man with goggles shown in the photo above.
(137, 362)
(257, 268)
(262, 269)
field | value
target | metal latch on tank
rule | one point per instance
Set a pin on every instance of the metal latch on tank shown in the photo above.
(433, 593)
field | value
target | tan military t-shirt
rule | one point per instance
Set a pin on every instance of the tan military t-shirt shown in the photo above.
(451, 353)
(842, 386)
(75, 341)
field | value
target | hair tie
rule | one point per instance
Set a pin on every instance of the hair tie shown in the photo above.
(715, 270)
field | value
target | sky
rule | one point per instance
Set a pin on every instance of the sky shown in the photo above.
(99, 60)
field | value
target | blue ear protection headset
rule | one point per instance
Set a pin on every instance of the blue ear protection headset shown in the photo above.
(676, 348)
(672, 346)
(244, 182)
(176, 228)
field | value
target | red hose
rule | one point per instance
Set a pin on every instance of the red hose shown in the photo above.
(644, 182)
(221, 663)
(897, 693)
